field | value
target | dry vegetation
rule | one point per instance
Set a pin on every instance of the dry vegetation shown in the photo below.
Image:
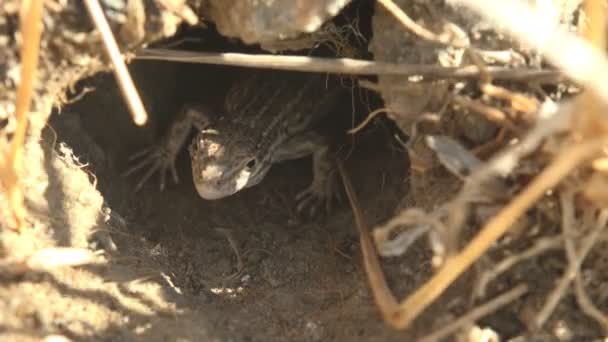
(506, 136)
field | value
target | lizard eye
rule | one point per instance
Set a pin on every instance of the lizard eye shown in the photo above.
(250, 164)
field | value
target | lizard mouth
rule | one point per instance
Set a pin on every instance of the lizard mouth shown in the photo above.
(210, 193)
(211, 185)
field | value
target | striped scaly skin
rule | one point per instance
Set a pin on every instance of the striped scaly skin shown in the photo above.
(268, 117)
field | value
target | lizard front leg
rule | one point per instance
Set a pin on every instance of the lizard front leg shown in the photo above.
(322, 192)
(161, 157)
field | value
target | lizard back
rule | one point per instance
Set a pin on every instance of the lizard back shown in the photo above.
(262, 112)
(272, 106)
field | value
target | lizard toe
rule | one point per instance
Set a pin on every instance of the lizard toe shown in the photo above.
(316, 200)
(153, 159)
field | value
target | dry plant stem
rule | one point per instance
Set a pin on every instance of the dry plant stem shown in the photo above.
(31, 29)
(368, 119)
(347, 66)
(454, 266)
(582, 298)
(11, 166)
(595, 34)
(589, 123)
(182, 10)
(385, 301)
(577, 58)
(572, 271)
(138, 111)
(540, 246)
(411, 25)
(596, 30)
(486, 150)
(519, 101)
(587, 305)
(477, 313)
(490, 113)
(567, 213)
(575, 259)
(414, 217)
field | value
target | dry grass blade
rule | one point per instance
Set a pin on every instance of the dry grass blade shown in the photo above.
(586, 304)
(567, 161)
(182, 10)
(477, 313)
(411, 25)
(385, 301)
(588, 124)
(371, 116)
(347, 66)
(138, 111)
(568, 221)
(582, 298)
(540, 246)
(575, 260)
(490, 113)
(595, 34)
(10, 165)
(518, 101)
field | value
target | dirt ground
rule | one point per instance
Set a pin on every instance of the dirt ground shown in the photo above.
(174, 274)
(175, 267)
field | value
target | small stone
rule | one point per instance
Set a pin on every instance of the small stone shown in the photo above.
(313, 331)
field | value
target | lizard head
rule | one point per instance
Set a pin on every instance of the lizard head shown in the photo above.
(223, 164)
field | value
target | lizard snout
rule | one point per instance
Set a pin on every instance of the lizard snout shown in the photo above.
(208, 182)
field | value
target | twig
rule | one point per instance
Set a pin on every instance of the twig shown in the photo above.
(11, 165)
(540, 246)
(420, 222)
(575, 259)
(181, 10)
(485, 150)
(368, 119)
(518, 101)
(576, 57)
(411, 25)
(596, 19)
(348, 66)
(595, 34)
(477, 313)
(565, 162)
(127, 87)
(30, 16)
(385, 300)
(586, 305)
(491, 113)
(588, 123)
(552, 120)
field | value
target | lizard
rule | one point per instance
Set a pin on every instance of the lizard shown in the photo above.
(267, 118)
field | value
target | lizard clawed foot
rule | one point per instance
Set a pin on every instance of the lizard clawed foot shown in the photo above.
(154, 158)
(318, 198)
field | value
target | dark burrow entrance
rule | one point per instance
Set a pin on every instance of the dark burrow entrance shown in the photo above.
(246, 265)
